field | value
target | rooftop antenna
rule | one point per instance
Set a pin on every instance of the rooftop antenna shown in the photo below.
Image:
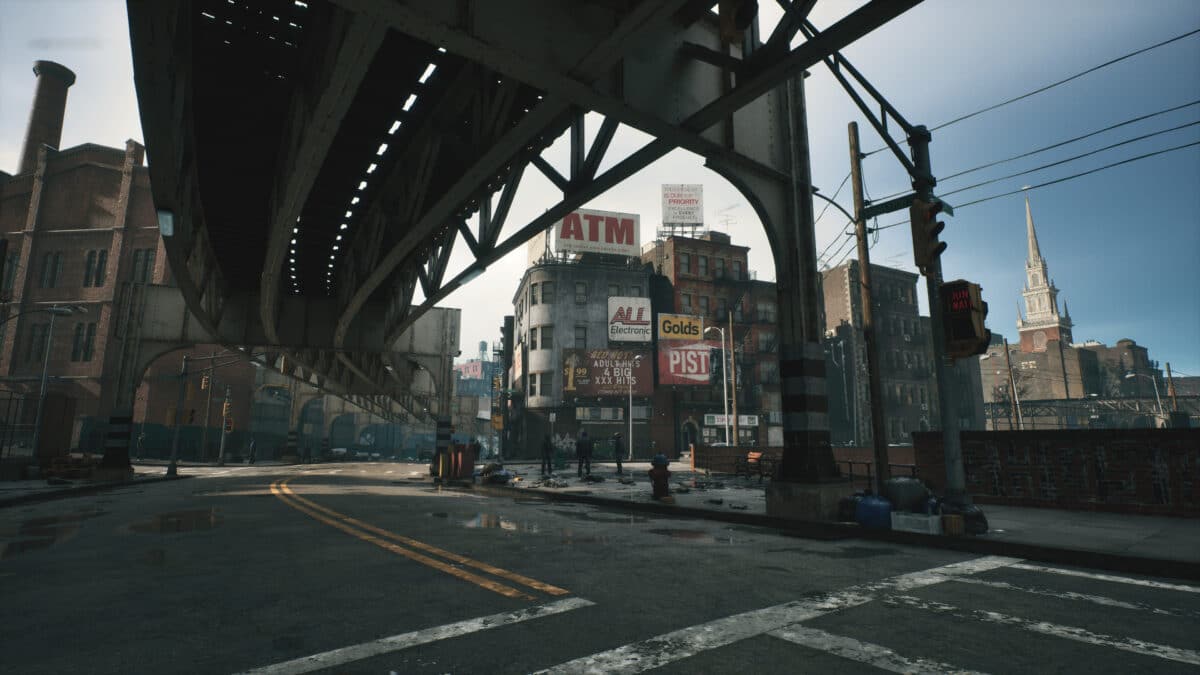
(725, 218)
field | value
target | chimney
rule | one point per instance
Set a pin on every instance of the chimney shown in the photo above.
(46, 115)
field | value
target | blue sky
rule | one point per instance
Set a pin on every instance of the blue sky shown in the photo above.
(1123, 245)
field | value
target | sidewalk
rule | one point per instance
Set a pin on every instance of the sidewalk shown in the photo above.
(1154, 545)
(13, 492)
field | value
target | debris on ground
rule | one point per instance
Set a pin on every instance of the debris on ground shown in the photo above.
(739, 507)
(594, 479)
(626, 481)
(681, 490)
(716, 501)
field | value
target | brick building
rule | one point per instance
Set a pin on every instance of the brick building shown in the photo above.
(80, 227)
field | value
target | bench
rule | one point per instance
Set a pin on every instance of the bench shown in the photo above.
(757, 462)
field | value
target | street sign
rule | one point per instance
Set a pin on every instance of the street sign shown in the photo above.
(553, 417)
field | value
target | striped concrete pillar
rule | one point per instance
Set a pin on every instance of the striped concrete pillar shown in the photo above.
(116, 441)
(807, 455)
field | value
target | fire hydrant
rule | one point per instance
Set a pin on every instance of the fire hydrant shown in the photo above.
(659, 475)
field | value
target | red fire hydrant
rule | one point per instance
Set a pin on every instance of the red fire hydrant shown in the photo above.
(659, 475)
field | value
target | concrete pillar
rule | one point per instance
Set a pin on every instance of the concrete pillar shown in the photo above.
(46, 114)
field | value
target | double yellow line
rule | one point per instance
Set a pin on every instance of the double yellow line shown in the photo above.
(391, 541)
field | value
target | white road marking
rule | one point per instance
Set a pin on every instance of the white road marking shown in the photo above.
(1108, 577)
(1057, 630)
(1071, 595)
(337, 657)
(864, 652)
(658, 651)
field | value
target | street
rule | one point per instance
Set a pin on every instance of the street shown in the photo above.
(369, 568)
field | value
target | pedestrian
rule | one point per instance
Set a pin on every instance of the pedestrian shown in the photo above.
(659, 475)
(547, 455)
(252, 451)
(583, 451)
(618, 451)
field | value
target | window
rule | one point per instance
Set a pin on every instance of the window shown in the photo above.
(635, 291)
(84, 344)
(580, 337)
(722, 307)
(547, 292)
(580, 292)
(766, 340)
(703, 267)
(533, 379)
(614, 290)
(51, 269)
(704, 305)
(685, 263)
(77, 343)
(737, 269)
(143, 265)
(35, 348)
(533, 294)
(766, 311)
(547, 335)
(719, 267)
(10, 271)
(94, 268)
(533, 332)
(737, 312)
(685, 301)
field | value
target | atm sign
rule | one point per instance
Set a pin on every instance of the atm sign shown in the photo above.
(680, 327)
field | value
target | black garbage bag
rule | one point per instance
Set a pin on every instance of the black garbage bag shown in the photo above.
(974, 522)
(848, 507)
(905, 493)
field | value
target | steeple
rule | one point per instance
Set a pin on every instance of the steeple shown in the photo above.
(1035, 253)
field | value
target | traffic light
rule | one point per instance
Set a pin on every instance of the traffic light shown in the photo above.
(204, 383)
(716, 367)
(964, 314)
(925, 230)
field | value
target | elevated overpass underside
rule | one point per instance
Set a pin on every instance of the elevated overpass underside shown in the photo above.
(315, 163)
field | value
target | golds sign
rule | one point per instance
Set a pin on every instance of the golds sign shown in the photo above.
(680, 327)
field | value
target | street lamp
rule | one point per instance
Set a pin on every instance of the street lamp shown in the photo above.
(724, 379)
(1161, 414)
(37, 423)
(629, 380)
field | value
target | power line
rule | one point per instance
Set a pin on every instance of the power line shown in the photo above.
(832, 199)
(1055, 84)
(1059, 144)
(1072, 159)
(845, 238)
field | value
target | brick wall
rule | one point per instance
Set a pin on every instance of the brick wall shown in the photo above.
(723, 459)
(1153, 471)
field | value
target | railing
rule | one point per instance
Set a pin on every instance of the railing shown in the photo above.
(869, 477)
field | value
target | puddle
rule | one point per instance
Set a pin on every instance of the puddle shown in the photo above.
(696, 536)
(36, 534)
(599, 517)
(179, 521)
(489, 520)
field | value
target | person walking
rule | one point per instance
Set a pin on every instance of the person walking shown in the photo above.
(547, 455)
(618, 451)
(583, 451)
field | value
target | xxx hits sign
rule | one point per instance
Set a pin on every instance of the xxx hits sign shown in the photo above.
(607, 372)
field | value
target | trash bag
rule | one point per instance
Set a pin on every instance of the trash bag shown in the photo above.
(974, 522)
(906, 494)
(847, 507)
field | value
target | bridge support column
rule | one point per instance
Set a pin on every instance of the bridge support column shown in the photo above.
(808, 485)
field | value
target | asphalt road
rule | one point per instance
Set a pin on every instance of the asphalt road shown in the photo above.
(368, 568)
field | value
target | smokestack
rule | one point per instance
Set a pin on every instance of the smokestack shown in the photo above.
(46, 115)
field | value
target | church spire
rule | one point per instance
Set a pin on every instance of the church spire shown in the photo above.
(1035, 253)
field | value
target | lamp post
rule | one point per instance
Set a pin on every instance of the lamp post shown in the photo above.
(37, 423)
(724, 379)
(1130, 376)
(629, 380)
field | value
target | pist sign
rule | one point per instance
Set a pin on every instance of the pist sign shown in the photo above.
(680, 327)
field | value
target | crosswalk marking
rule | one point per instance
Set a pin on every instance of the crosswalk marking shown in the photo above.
(1107, 577)
(337, 657)
(864, 652)
(658, 651)
(1047, 628)
(1071, 595)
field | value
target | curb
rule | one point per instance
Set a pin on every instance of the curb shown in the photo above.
(81, 490)
(826, 531)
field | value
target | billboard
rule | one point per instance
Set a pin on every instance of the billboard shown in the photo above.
(607, 372)
(628, 319)
(686, 362)
(680, 327)
(683, 204)
(589, 231)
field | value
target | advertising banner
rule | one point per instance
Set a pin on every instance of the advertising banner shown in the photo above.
(686, 362)
(589, 231)
(718, 420)
(683, 204)
(680, 327)
(607, 372)
(628, 319)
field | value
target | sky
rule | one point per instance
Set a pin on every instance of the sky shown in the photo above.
(1122, 244)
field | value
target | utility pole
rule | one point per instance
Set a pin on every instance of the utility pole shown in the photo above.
(1012, 382)
(875, 388)
(1171, 389)
(173, 466)
(224, 421)
(923, 182)
(207, 407)
(733, 381)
